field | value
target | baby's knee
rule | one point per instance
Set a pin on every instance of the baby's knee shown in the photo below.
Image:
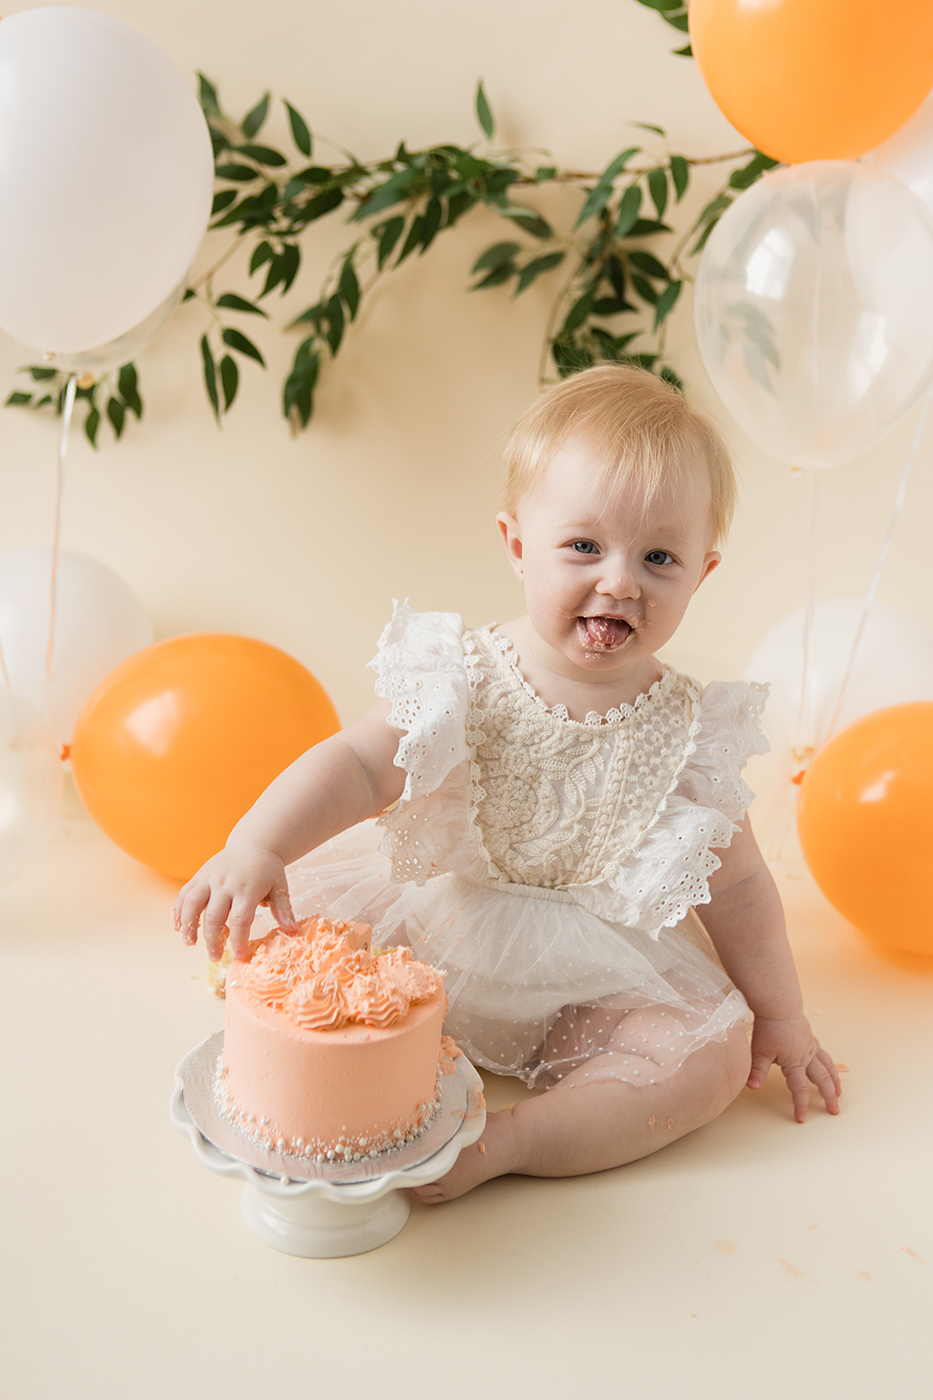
(734, 1063)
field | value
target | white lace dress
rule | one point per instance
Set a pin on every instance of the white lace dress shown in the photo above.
(549, 867)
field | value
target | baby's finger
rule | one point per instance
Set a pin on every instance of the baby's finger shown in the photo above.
(214, 925)
(188, 907)
(281, 907)
(818, 1072)
(761, 1063)
(239, 923)
(799, 1087)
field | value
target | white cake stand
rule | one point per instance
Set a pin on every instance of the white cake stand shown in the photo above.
(321, 1219)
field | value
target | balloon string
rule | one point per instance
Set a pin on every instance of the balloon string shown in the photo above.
(879, 565)
(800, 748)
(67, 410)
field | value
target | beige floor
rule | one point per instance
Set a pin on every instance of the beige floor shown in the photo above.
(756, 1259)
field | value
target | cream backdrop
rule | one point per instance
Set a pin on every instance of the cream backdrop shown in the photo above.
(392, 491)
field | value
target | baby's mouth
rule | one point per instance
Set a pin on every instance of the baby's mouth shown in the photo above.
(603, 633)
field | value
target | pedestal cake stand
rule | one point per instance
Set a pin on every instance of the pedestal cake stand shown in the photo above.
(324, 1210)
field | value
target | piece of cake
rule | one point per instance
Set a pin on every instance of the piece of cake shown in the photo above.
(330, 1051)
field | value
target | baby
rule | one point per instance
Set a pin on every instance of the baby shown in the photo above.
(551, 796)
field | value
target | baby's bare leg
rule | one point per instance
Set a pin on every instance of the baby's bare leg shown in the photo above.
(592, 1120)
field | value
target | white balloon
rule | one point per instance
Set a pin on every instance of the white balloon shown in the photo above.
(106, 177)
(99, 622)
(813, 307)
(908, 154)
(893, 665)
(30, 785)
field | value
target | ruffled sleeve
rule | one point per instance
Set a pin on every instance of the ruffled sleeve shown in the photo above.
(420, 668)
(668, 872)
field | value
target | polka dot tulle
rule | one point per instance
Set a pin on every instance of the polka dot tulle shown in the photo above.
(549, 868)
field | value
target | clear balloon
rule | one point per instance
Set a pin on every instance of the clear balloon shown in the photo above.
(814, 310)
(893, 665)
(30, 785)
(125, 348)
(908, 155)
(89, 251)
(99, 622)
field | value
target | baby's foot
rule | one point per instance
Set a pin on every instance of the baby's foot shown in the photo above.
(494, 1155)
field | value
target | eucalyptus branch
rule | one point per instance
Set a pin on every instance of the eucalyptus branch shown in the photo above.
(615, 290)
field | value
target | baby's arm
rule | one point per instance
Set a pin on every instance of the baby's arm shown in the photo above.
(746, 923)
(339, 782)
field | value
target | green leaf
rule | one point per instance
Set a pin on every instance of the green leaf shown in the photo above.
(210, 376)
(685, 52)
(595, 202)
(615, 167)
(432, 222)
(237, 341)
(321, 204)
(241, 173)
(644, 228)
(398, 187)
(314, 315)
(263, 253)
(629, 206)
(229, 378)
(457, 206)
(648, 126)
(291, 262)
(611, 306)
(531, 222)
(297, 395)
(335, 317)
(496, 256)
(700, 244)
(578, 312)
(40, 373)
(644, 289)
(714, 209)
(128, 388)
(91, 424)
(662, 4)
(649, 265)
(219, 141)
(349, 286)
(666, 302)
(207, 96)
(536, 267)
(17, 399)
(40, 403)
(680, 174)
(231, 302)
(415, 233)
(545, 172)
(263, 155)
(222, 200)
(748, 174)
(389, 234)
(255, 117)
(657, 188)
(669, 376)
(116, 412)
(495, 277)
(484, 111)
(300, 133)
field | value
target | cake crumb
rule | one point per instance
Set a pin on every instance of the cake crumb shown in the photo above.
(482, 1147)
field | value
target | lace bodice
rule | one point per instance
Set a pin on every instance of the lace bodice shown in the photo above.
(622, 810)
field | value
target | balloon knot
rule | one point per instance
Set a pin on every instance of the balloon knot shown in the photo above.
(65, 753)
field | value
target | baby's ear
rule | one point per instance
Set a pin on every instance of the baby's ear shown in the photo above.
(511, 538)
(711, 561)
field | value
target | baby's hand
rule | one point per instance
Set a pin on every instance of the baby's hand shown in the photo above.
(791, 1045)
(227, 890)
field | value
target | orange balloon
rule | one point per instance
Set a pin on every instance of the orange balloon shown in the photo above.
(179, 741)
(815, 79)
(866, 825)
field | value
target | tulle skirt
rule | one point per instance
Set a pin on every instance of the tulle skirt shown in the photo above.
(538, 986)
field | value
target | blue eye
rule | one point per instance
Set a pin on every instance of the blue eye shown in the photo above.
(584, 546)
(659, 556)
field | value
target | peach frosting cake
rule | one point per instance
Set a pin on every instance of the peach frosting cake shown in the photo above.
(331, 1050)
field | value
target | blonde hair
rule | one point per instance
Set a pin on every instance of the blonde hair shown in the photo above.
(640, 429)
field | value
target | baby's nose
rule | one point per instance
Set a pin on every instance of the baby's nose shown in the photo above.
(619, 582)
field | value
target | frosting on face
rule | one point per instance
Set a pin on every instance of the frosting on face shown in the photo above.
(321, 979)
